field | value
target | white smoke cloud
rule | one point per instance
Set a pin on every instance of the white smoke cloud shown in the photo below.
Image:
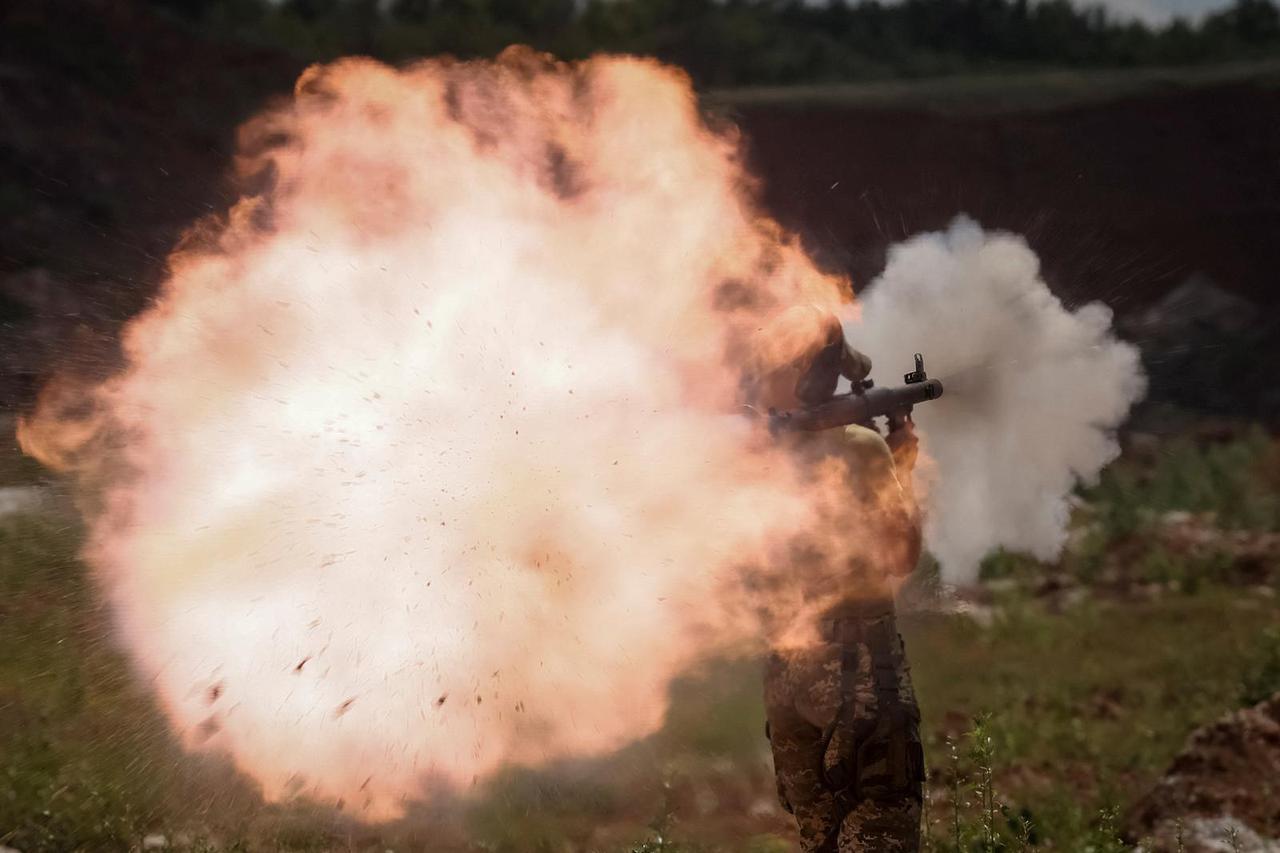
(1033, 394)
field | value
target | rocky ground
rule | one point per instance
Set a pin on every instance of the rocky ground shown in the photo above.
(1222, 792)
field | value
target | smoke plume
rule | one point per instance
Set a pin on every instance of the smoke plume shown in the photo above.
(1033, 395)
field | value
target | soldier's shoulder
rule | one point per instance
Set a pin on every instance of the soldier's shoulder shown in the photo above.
(862, 440)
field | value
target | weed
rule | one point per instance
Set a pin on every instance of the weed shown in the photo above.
(1023, 831)
(660, 840)
(1105, 838)
(982, 754)
(926, 821)
(957, 799)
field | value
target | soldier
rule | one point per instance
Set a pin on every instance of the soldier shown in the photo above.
(843, 721)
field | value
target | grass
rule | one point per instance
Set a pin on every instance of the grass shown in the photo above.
(1003, 92)
(87, 763)
(1085, 710)
(1237, 482)
(1262, 678)
(1041, 728)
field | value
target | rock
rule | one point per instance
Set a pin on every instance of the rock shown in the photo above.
(1193, 308)
(705, 801)
(1226, 780)
(1068, 598)
(1228, 835)
(18, 499)
(982, 615)
(761, 807)
(1250, 557)
(1209, 835)
(1207, 350)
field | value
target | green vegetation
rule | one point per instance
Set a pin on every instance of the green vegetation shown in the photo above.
(1084, 710)
(85, 762)
(751, 42)
(1262, 678)
(978, 92)
(1043, 721)
(1175, 517)
(1238, 482)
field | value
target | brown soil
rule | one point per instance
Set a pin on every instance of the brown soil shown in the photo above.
(1229, 768)
(1121, 199)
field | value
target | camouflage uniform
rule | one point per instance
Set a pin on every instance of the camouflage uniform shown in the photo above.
(843, 718)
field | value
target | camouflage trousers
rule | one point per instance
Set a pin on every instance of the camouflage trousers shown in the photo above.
(844, 727)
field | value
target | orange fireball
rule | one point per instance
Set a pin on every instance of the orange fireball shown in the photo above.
(427, 459)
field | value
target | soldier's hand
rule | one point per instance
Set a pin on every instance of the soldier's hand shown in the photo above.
(905, 447)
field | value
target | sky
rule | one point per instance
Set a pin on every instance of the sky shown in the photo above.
(1162, 11)
(1157, 12)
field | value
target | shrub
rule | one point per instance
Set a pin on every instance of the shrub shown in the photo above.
(1262, 681)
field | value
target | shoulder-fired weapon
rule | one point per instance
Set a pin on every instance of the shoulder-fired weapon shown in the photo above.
(864, 402)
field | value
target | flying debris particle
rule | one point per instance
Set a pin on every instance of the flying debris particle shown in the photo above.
(215, 692)
(301, 664)
(441, 700)
(344, 707)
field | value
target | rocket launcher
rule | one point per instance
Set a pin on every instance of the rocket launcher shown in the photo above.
(862, 404)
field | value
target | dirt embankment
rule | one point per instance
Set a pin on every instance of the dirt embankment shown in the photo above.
(1122, 199)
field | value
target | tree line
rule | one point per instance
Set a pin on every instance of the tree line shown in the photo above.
(748, 42)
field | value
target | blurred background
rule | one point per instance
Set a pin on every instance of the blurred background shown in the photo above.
(1107, 700)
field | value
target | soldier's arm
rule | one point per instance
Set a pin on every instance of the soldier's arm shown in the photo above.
(904, 448)
(886, 491)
